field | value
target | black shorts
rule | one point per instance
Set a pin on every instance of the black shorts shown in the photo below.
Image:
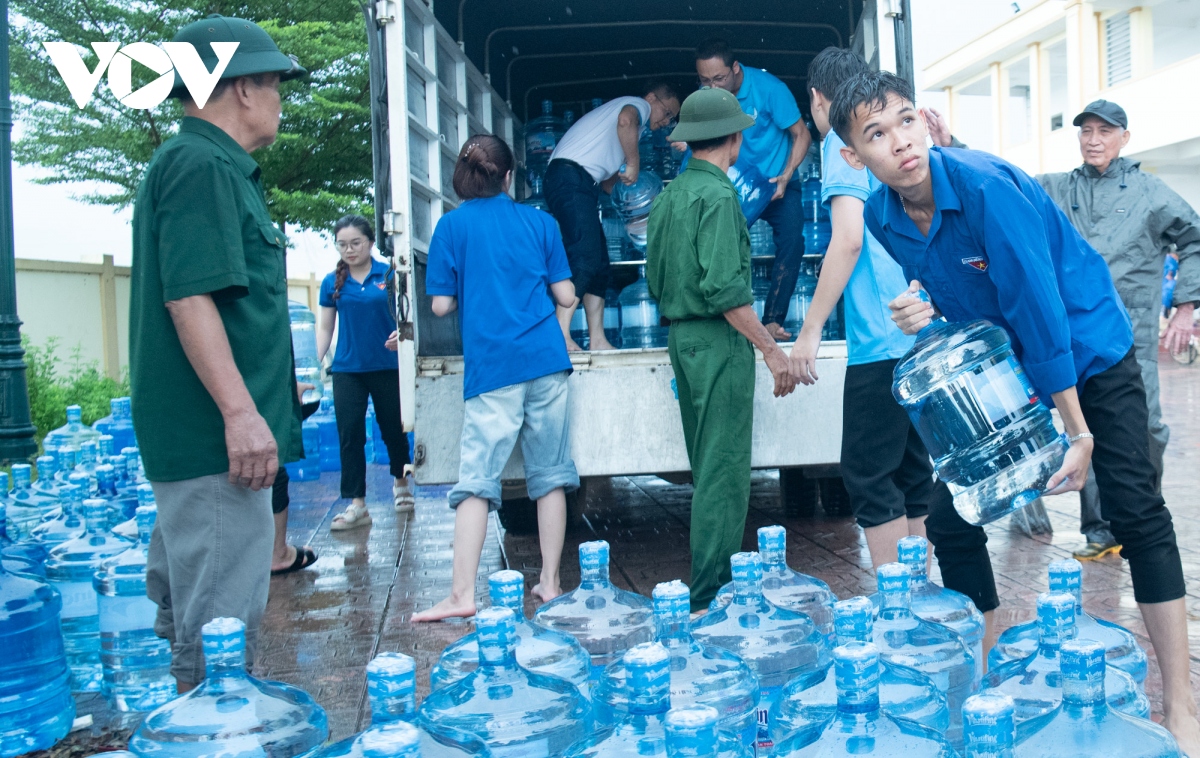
(886, 468)
(574, 200)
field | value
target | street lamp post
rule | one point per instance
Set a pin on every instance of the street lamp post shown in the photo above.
(16, 431)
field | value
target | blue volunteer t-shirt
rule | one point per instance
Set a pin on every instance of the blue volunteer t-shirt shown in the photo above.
(499, 259)
(774, 109)
(364, 322)
(876, 280)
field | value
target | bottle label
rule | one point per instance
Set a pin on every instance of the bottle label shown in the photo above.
(764, 745)
(532, 749)
(79, 599)
(1002, 389)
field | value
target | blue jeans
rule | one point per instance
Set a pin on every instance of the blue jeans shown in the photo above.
(534, 412)
(786, 217)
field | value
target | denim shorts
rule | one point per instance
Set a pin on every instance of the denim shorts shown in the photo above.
(535, 412)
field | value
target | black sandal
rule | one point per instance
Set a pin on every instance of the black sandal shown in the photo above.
(305, 557)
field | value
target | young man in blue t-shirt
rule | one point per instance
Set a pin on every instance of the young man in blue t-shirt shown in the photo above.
(776, 145)
(885, 465)
(986, 242)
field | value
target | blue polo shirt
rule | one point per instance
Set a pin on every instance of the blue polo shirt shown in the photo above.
(1000, 249)
(774, 109)
(499, 259)
(876, 280)
(364, 322)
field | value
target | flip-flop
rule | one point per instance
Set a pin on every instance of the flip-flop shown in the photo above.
(305, 557)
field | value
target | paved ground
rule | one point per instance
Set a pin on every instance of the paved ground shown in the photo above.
(324, 624)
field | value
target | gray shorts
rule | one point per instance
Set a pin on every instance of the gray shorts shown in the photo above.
(534, 412)
(210, 556)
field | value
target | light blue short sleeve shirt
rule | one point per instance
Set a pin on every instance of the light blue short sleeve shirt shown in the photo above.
(877, 278)
(774, 109)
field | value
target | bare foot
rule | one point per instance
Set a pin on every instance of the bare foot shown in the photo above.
(1186, 731)
(601, 344)
(287, 559)
(447, 609)
(573, 347)
(544, 593)
(777, 333)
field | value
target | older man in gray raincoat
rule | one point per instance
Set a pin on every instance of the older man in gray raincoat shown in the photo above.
(1133, 219)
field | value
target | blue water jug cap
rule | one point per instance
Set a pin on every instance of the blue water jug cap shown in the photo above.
(393, 740)
(893, 578)
(114, 405)
(853, 619)
(495, 628)
(145, 494)
(3, 482)
(593, 555)
(856, 667)
(95, 511)
(106, 473)
(74, 414)
(224, 643)
(71, 493)
(1056, 614)
(1083, 667)
(146, 515)
(1066, 575)
(649, 676)
(913, 549)
(692, 731)
(507, 588)
(105, 444)
(23, 472)
(672, 599)
(747, 573)
(772, 540)
(988, 721)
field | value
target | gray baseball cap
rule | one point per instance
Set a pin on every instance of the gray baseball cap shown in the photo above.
(1105, 111)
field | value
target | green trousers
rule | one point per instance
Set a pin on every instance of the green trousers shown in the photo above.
(714, 373)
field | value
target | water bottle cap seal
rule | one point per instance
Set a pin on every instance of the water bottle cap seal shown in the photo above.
(74, 413)
(746, 566)
(856, 652)
(26, 467)
(593, 555)
(913, 549)
(1056, 609)
(1066, 574)
(772, 539)
(391, 666)
(94, 506)
(672, 599)
(129, 451)
(1081, 659)
(396, 737)
(506, 587)
(692, 717)
(856, 613)
(646, 655)
(146, 512)
(223, 636)
(893, 577)
(495, 619)
(988, 708)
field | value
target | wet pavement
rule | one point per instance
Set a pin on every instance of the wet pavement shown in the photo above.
(324, 624)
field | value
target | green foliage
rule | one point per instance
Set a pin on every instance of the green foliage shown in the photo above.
(319, 167)
(55, 383)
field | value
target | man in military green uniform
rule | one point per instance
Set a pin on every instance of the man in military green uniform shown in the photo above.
(698, 269)
(214, 392)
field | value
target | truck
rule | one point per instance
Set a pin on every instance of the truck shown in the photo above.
(444, 71)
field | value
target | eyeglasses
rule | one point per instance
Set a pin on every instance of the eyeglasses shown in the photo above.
(716, 81)
(354, 244)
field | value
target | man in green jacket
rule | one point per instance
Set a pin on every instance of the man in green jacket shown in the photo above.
(1132, 218)
(698, 269)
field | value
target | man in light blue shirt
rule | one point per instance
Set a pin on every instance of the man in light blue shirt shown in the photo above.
(886, 468)
(776, 145)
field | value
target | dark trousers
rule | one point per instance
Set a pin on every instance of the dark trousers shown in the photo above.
(786, 217)
(889, 474)
(1114, 404)
(350, 392)
(573, 197)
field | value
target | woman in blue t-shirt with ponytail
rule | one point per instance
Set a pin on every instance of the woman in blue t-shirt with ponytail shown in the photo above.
(364, 365)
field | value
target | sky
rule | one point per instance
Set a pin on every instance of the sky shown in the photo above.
(50, 224)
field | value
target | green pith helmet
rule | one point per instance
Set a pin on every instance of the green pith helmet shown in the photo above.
(256, 52)
(709, 114)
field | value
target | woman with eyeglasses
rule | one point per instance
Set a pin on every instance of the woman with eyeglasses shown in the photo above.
(364, 365)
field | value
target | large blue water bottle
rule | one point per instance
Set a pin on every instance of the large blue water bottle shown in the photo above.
(780, 645)
(754, 190)
(639, 732)
(308, 468)
(231, 713)
(640, 327)
(1035, 683)
(1121, 647)
(992, 439)
(700, 674)
(392, 688)
(988, 726)
(785, 587)
(119, 424)
(136, 663)
(935, 603)
(541, 137)
(1084, 726)
(67, 525)
(817, 236)
(304, 351)
(605, 620)
(331, 445)
(513, 710)
(36, 707)
(73, 432)
(538, 649)
(70, 568)
(632, 203)
(859, 726)
(936, 651)
(903, 692)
